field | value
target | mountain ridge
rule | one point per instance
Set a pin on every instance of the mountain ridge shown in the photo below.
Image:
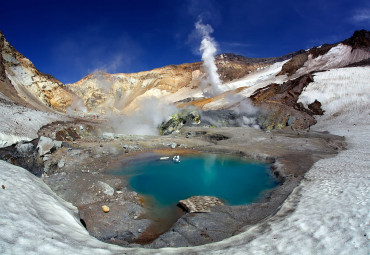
(102, 92)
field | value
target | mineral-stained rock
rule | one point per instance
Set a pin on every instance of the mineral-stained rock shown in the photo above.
(178, 120)
(67, 134)
(34, 87)
(199, 203)
(105, 208)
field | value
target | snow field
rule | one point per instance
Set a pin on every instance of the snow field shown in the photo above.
(19, 123)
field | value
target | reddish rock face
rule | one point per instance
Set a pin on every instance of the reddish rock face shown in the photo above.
(315, 108)
(280, 107)
(294, 64)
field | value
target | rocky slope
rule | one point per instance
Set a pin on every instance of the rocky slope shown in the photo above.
(101, 93)
(24, 84)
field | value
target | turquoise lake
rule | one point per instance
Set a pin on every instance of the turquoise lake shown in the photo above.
(234, 180)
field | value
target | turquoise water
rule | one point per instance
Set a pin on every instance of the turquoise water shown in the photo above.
(234, 180)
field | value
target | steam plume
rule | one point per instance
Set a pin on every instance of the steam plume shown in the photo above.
(211, 84)
(145, 119)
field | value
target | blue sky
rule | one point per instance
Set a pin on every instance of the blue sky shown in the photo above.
(70, 39)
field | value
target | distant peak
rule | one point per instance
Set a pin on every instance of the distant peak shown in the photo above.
(359, 39)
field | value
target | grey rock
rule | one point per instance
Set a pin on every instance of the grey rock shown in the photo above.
(46, 144)
(291, 121)
(61, 163)
(107, 135)
(57, 144)
(118, 223)
(131, 147)
(24, 148)
(46, 158)
(107, 190)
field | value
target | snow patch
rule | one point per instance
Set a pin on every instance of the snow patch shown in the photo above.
(259, 78)
(19, 123)
(338, 56)
(340, 91)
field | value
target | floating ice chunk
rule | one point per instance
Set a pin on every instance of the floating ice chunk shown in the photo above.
(176, 159)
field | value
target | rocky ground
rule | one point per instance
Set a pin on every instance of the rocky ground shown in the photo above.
(75, 161)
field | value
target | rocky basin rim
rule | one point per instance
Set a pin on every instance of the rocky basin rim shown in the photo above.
(87, 155)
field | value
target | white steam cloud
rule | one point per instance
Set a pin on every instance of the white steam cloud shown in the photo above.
(77, 107)
(211, 84)
(145, 119)
(245, 109)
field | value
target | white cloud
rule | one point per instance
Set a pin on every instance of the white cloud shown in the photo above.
(361, 15)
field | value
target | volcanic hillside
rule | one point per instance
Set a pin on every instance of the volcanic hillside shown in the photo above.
(272, 84)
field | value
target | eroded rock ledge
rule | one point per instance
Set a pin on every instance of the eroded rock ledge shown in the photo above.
(199, 203)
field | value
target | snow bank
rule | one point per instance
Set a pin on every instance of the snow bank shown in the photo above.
(20, 123)
(35, 221)
(259, 78)
(344, 91)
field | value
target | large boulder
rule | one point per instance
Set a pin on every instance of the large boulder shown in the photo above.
(46, 145)
(199, 203)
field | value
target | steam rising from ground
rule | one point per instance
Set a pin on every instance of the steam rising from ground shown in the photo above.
(77, 107)
(145, 119)
(211, 84)
(247, 112)
(138, 117)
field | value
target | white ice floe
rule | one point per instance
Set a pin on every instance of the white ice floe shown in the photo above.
(328, 213)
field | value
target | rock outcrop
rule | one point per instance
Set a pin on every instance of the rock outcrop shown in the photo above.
(279, 105)
(360, 40)
(197, 204)
(26, 85)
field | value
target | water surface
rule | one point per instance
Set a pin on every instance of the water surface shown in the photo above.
(235, 180)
